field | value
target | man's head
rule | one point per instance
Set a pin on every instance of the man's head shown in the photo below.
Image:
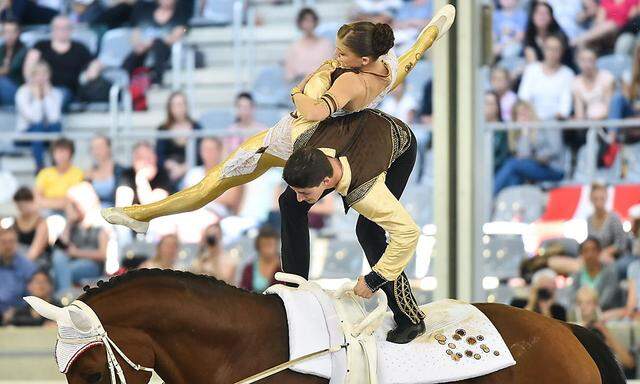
(211, 151)
(10, 31)
(267, 243)
(62, 151)
(308, 172)
(144, 156)
(61, 29)
(8, 244)
(590, 251)
(40, 285)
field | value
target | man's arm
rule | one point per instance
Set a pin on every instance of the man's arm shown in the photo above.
(381, 207)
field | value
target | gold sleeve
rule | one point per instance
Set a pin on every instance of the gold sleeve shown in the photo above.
(318, 84)
(381, 207)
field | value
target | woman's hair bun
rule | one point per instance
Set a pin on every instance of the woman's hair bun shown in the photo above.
(382, 39)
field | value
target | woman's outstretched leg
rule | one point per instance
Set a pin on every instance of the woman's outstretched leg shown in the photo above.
(208, 189)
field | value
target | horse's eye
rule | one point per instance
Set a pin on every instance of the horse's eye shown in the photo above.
(94, 378)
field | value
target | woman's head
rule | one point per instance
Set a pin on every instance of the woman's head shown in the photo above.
(587, 303)
(24, 200)
(500, 80)
(590, 251)
(492, 107)
(62, 151)
(167, 250)
(101, 148)
(363, 42)
(267, 243)
(598, 197)
(540, 21)
(586, 58)
(244, 107)
(553, 49)
(307, 20)
(40, 285)
(523, 112)
(40, 73)
(177, 109)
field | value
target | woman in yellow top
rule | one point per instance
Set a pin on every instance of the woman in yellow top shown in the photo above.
(363, 47)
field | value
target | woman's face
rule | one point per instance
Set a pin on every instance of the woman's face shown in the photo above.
(347, 57)
(27, 207)
(590, 253)
(599, 199)
(40, 76)
(244, 109)
(308, 24)
(490, 108)
(168, 250)
(40, 286)
(553, 50)
(178, 106)
(61, 156)
(588, 306)
(541, 17)
(587, 61)
(523, 114)
(100, 149)
(499, 81)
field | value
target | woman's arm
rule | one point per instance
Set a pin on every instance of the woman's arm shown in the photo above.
(578, 103)
(40, 241)
(343, 90)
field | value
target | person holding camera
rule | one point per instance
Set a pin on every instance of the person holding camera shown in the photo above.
(212, 260)
(542, 296)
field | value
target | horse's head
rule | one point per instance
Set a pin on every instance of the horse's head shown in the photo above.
(86, 354)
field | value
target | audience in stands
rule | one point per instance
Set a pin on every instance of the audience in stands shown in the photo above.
(592, 88)
(307, 53)
(105, 171)
(15, 272)
(166, 255)
(85, 11)
(509, 23)
(606, 226)
(409, 19)
(245, 121)
(30, 226)
(612, 16)
(211, 152)
(212, 259)
(71, 63)
(537, 153)
(626, 103)
(12, 54)
(574, 15)
(39, 108)
(540, 25)
(586, 307)
(547, 84)
(501, 85)
(144, 182)
(542, 296)
(260, 274)
(114, 14)
(53, 183)
(400, 104)
(172, 153)
(41, 286)
(625, 357)
(597, 275)
(157, 26)
(31, 12)
(493, 114)
(81, 250)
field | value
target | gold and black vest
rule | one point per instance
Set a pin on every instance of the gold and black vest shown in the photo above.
(371, 140)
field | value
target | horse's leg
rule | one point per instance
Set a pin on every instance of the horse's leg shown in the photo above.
(545, 350)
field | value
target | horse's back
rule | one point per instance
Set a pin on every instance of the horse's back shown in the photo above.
(545, 349)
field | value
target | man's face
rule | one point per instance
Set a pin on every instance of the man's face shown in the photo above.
(311, 195)
(8, 245)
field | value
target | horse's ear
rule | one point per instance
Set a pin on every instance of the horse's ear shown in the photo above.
(80, 320)
(46, 310)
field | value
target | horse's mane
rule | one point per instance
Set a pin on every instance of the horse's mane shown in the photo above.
(116, 281)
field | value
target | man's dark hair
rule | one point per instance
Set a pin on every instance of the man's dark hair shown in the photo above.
(266, 232)
(63, 143)
(306, 168)
(23, 194)
(245, 95)
(304, 12)
(590, 239)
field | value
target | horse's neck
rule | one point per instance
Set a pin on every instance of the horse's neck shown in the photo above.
(227, 331)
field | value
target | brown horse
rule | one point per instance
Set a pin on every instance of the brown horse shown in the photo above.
(195, 329)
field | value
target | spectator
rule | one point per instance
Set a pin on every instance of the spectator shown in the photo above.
(212, 260)
(592, 88)
(245, 121)
(172, 152)
(53, 183)
(15, 272)
(400, 104)
(626, 104)
(40, 286)
(538, 153)
(105, 171)
(157, 26)
(166, 253)
(606, 226)
(144, 182)
(30, 12)
(115, 14)
(86, 11)
(509, 23)
(71, 62)
(230, 202)
(492, 114)
(540, 25)
(260, 274)
(542, 296)
(501, 85)
(612, 15)
(586, 309)
(602, 278)
(547, 85)
(39, 107)
(12, 54)
(30, 226)
(307, 53)
(412, 16)
(574, 15)
(623, 355)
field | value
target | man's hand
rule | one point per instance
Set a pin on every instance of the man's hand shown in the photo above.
(361, 289)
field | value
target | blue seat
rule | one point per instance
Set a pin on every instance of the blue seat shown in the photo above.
(270, 88)
(216, 119)
(115, 47)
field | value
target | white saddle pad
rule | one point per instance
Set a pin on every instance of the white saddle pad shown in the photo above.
(439, 356)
